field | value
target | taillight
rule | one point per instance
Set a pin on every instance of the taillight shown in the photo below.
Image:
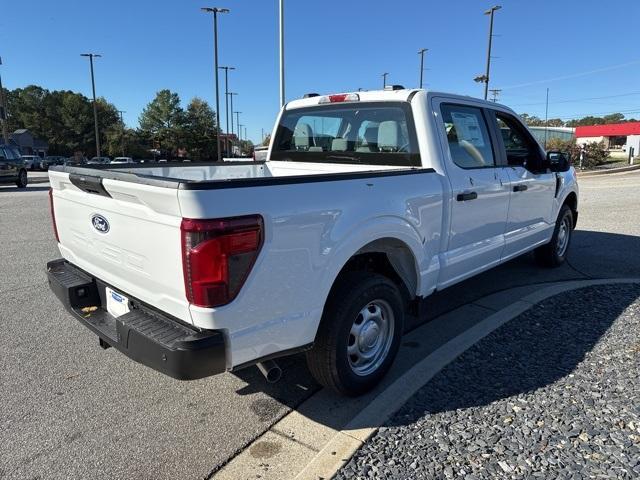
(217, 256)
(53, 215)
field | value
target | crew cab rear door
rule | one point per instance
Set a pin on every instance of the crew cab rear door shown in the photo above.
(479, 194)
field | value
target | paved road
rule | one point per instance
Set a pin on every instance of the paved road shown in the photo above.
(72, 410)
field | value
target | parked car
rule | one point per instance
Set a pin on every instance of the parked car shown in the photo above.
(31, 162)
(12, 167)
(99, 161)
(122, 160)
(368, 203)
(51, 160)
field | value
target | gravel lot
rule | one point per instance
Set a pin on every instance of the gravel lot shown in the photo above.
(552, 394)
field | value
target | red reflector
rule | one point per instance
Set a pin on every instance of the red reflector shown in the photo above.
(217, 257)
(53, 215)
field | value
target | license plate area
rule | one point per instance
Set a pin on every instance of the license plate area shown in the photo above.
(117, 303)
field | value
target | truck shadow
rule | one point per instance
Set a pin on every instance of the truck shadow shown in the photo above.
(593, 255)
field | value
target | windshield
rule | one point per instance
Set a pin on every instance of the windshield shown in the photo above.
(369, 133)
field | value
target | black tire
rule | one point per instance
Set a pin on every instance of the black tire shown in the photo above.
(555, 252)
(328, 360)
(21, 182)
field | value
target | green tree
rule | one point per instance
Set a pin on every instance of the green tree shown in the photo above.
(267, 140)
(200, 130)
(162, 121)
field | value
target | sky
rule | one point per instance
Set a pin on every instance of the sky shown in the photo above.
(585, 51)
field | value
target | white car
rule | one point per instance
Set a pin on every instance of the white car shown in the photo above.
(368, 202)
(122, 160)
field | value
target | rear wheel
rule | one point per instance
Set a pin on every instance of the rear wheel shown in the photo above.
(359, 333)
(22, 179)
(555, 252)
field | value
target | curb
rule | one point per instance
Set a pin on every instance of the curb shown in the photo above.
(612, 170)
(312, 450)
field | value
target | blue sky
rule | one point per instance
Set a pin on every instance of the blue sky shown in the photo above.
(580, 49)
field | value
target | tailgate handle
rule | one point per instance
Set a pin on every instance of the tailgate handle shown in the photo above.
(89, 184)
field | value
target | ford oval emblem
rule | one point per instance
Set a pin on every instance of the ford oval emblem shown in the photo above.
(100, 223)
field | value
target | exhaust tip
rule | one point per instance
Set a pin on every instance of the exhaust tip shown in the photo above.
(270, 370)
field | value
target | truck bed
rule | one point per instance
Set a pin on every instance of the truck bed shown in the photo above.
(212, 175)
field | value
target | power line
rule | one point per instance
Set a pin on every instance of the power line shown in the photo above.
(577, 99)
(573, 75)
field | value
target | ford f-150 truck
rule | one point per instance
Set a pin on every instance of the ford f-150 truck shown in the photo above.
(367, 203)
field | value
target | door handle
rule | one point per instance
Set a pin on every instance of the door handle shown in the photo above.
(520, 188)
(464, 197)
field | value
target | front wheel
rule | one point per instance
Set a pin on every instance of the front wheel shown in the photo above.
(555, 252)
(22, 179)
(359, 334)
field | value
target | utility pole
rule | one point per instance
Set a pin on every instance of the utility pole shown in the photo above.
(238, 130)
(546, 119)
(495, 92)
(489, 12)
(95, 108)
(3, 112)
(216, 11)
(282, 97)
(226, 94)
(384, 80)
(122, 124)
(421, 52)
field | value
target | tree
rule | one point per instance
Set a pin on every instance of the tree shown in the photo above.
(267, 140)
(162, 121)
(200, 130)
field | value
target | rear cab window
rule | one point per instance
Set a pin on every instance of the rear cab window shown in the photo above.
(374, 133)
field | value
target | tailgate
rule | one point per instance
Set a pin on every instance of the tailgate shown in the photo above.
(128, 237)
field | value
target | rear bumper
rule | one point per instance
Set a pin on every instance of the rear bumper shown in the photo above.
(144, 334)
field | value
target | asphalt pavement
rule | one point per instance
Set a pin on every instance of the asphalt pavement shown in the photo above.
(71, 410)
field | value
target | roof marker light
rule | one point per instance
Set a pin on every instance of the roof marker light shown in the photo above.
(340, 97)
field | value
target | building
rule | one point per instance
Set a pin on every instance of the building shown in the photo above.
(614, 135)
(28, 144)
(563, 133)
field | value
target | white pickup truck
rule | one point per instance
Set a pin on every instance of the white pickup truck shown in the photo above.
(367, 203)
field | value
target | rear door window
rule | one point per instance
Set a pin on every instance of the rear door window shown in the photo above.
(468, 136)
(367, 133)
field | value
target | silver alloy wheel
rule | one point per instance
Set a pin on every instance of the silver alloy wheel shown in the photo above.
(370, 337)
(564, 232)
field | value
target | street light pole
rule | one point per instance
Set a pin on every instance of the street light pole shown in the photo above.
(384, 80)
(282, 98)
(95, 108)
(122, 125)
(238, 130)
(421, 53)
(3, 113)
(489, 12)
(215, 11)
(226, 94)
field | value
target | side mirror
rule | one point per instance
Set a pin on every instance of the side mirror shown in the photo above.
(557, 161)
